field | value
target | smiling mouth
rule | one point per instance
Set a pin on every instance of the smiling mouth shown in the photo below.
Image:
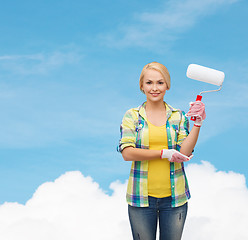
(154, 94)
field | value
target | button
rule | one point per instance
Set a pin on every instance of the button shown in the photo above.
(173, 186)
(172, 173)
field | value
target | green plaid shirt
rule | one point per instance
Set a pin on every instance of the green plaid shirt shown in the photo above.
(134, 133)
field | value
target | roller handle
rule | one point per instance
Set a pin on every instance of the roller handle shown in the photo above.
(198, 98)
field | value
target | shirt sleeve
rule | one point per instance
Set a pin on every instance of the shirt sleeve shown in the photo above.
(183, 130)
(128, 131)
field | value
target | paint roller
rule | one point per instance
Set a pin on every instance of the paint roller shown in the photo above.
(207, 75)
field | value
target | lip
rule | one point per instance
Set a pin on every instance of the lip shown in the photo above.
(154, 94)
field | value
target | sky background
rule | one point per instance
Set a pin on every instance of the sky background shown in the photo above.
(69, 70)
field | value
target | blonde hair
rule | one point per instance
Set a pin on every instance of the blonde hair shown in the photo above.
(158, 67)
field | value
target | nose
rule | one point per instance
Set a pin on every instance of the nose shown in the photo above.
(154, 87)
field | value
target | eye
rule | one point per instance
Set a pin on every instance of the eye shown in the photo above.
(148, 82)
(161, 83)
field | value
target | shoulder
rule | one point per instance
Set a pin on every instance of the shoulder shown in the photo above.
(131, 111)
(131, 114)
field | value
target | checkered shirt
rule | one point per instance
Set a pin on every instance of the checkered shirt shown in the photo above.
(134, 133)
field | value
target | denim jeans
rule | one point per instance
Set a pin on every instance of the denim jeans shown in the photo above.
(144, 220)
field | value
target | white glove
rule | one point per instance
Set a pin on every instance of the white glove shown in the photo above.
(174, 156)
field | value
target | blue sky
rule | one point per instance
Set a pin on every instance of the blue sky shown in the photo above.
(70, 70)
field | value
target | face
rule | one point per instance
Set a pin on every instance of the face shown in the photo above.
(154, 85)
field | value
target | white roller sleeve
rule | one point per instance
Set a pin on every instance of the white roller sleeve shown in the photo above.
(205, 74)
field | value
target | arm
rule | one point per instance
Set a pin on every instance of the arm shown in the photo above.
(138, 154)
(127, 143)
(197, 110)
(189, 142)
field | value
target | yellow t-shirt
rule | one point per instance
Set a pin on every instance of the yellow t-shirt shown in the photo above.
(158, 169)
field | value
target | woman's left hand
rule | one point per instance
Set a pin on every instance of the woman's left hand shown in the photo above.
(197, 110)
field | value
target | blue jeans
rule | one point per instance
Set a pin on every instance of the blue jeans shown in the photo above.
(144, 220)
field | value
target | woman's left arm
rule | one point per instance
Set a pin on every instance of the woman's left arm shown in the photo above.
(197, 110)
(190, 141)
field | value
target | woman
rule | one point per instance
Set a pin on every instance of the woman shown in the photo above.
(155, 137)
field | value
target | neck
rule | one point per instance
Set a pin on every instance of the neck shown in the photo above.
(155, 106)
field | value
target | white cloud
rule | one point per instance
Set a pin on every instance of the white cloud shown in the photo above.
(174, 17)
(218, 208)
(72, 207)
(75, 207)
(39, 63)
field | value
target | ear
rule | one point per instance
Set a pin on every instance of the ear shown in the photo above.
(142, 88)
(167, 87)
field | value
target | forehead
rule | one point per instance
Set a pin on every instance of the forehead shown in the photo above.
(151, 74)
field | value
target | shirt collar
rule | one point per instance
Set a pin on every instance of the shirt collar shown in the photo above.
(169, 110)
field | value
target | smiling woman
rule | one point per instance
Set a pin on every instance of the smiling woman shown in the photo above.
(156, 138)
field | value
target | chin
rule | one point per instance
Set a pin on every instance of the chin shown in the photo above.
(156, 100)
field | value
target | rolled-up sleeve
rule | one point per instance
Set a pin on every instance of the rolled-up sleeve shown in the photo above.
(183, 130)
(127, 131)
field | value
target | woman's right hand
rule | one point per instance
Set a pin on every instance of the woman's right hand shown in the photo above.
(174, 156)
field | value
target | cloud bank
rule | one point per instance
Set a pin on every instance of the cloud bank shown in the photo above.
(75, 207)
(218, 208)
(71, 207)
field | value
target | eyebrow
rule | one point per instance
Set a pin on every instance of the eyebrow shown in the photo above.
(155, 80)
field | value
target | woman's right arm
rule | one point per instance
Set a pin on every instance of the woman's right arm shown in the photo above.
(127, 144)
(138, 154)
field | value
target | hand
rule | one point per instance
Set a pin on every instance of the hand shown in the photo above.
(197, 109)
(174, 156)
